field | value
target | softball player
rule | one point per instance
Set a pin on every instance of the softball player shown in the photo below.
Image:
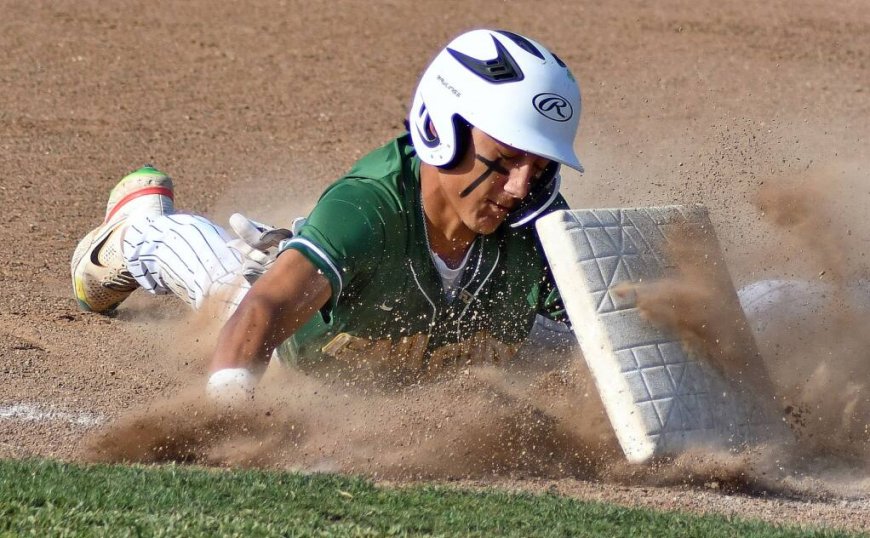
(423, 255)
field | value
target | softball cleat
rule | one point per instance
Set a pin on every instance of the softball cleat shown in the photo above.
(100, 277)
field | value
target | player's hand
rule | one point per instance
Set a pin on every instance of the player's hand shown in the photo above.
(257, 243)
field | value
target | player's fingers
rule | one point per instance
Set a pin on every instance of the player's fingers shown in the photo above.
(258, 235)
(271, 238)
(241, 246)
(245, 228)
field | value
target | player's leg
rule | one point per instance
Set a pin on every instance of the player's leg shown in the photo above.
(782, 302)
(186, 255)
(143, 242)
(100, 277)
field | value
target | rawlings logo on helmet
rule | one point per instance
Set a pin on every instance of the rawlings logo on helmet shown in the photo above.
(553, 106)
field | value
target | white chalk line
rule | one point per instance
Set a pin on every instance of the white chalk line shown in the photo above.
(23, 412)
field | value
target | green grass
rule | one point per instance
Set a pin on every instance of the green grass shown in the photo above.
(45, 498)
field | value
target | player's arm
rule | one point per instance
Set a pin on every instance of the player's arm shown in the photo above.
(343, 237)
(278, 304)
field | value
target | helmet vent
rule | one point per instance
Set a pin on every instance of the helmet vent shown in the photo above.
(559, 61)
(502, 68)
(522, 43)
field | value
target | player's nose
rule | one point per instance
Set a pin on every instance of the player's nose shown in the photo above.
(519, 182)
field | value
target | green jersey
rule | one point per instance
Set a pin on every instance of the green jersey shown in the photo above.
(367, 235)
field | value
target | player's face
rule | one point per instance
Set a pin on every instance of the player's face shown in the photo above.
(490, 181)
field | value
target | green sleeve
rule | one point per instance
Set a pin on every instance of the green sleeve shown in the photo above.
(545, 297)
(344, 236)
(550, 305)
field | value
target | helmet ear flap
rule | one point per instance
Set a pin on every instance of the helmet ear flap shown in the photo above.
(463, 141)
(435, 138)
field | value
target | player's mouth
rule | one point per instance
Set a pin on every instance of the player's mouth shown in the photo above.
(501, 208)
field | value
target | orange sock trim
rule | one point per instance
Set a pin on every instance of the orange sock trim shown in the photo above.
(162, 191)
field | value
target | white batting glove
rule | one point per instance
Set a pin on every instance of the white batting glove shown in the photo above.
(231, 386)
(257, 243)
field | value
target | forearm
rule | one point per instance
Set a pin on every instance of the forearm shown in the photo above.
(247, 339)
(278, 304)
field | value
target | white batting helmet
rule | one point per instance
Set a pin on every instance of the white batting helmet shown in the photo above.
(506, 85)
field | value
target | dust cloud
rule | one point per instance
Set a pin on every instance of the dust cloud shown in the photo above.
(698, 304)
(810, 330)
(813, 331)
(474, 423)
(531, 421)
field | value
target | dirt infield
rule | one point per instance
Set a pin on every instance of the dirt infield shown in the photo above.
(759, 110)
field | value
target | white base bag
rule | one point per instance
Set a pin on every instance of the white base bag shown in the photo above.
(661, 396)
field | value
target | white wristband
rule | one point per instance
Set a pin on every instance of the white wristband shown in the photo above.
(231, 385)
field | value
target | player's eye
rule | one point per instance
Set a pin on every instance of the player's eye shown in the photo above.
(501, 165)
